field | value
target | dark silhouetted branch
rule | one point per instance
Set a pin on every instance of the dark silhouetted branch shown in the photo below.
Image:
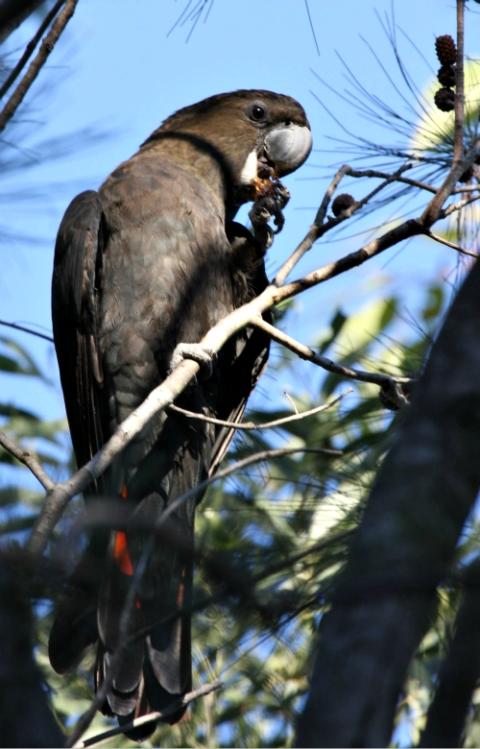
(29, 49)
(24, 329)
(37, 63)
(13, 13)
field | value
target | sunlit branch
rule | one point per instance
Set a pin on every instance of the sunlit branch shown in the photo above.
(308, 354)
(250, 425)
(452, 245)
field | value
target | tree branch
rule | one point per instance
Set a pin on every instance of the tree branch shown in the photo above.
(37, 63)
(442, 240)
(151, 717)
(28, 51)
(321, 227)
(28, 459)
(308, 354)
(250, 425)
(24, 329)
(240, 465)
(377, 174)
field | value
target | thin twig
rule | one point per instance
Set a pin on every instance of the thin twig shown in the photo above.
(24, 329)
(452, 245)
(28, 459)
(466, 188)
(377, 174)
(151, 717)
(240, 465)
(321, 227)
(322, 211)
(454, 207)
(37, 63)
(250, 425)
(305, 352)
(305, 245)
(29, 49)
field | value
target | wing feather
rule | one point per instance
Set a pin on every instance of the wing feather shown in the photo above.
(75, 286)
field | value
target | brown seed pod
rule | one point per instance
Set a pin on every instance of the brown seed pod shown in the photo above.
(446, 76)
(446, 49)
(445, 99)
(342, 202)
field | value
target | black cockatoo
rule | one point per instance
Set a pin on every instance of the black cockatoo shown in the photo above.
(150, 261)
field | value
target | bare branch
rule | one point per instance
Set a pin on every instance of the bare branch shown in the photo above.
(308, 354)
(37, 63)
(434, 211)
(57, 499)
(452, 245)
(29, 49)
(321, 227)
(455, 207)
(250, 425)
(410, 228)
(377, 174)
(239, 465)
(150, 717)
(322, 211)
(305, 245)
(466, 188)
(28, 459)
(24, 329)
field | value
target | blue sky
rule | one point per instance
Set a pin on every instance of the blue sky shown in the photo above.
(118, 70)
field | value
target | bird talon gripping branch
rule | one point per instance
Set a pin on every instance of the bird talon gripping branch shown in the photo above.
(197, 353)
(141, 265)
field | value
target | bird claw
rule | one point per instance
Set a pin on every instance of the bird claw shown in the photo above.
(272, 199)
(196, 352)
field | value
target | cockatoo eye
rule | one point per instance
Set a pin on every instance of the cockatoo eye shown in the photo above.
(258, 113)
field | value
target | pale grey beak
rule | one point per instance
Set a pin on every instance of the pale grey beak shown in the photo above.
(287, 146)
